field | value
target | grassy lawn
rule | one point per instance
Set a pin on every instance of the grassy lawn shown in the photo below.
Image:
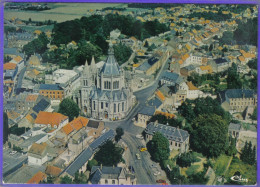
(222, 86)
(173, 154)
(221, 164)
(192, 170)
(247, 171)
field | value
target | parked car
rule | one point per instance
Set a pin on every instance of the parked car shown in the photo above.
(138, 156)
(139, 136)
(157, 173)
(164, 184)
(160, 181)
(143, 149)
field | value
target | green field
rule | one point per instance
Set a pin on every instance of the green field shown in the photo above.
(60, 11)
(221, 164)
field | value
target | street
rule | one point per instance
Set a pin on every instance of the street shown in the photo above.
(142, 167)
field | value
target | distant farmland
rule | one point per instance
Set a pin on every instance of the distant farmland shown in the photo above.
(60, 11)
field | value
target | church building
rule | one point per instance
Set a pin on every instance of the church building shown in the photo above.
(104, 93)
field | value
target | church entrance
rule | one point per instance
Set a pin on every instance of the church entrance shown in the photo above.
(85, 109)
(106, 114)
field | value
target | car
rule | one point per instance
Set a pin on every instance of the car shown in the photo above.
(133, 119)
(164, 183)
(153, 166)
(13, 152)
(160, 181)
(139, 136)
(138, 156)
(143, 149)
(131, 169)
(157, 173)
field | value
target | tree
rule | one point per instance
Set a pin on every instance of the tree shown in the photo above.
(209, 135)
(254, 115)
(119, 133)
(186, 110)
(211, 47)
(252, 64)
(146, 44)
(7, 58)
(86, 51)
(91, 163)
(66, 180)
(233, 79)
(135, 60)
(231, 151)
(248, 154)
(109, 154)
(159, 147)
(69, 108)
(5, 128)
(122, 53)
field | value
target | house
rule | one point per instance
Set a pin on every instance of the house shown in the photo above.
(193, 92)
(37, 178)
(19, 61)
(37, 154)
(95, 128)
(52, 91)
(53, 171)
(188, 70)
(68, 80)
(14, 140)
(178, 138)
(27, 143)
(145, 115)
(80, 163)
(222, 64)
(79, 141)
(51, 120)
(75, 125)
(34, 60)
(170, 78)
(149, 66)
(204, 70)
(111, 176)
(10, 71)
(237, 100)
(234, 129)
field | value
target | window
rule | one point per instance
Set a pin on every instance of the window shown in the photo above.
(176, 144)
(113, 182)
(101, 105)
(114, 108)
(118, 106)
(106, 181)
(123, 106)
(107, 105)
(94, 105)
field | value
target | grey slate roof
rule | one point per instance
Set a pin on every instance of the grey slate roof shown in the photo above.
(111, 67)
(190, 67)
(106, 172)
(173, 77)
(239, 93)
(233, 126)
(93, 124)
(106, 95)
(50, 87)
(147, 64)
(41, 106)
(102, 139)
(155, 102)
(83, 157)
(32, 140)
(147, 110)
(171, 133)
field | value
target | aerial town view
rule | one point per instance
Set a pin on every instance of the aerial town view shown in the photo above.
(127, 94)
